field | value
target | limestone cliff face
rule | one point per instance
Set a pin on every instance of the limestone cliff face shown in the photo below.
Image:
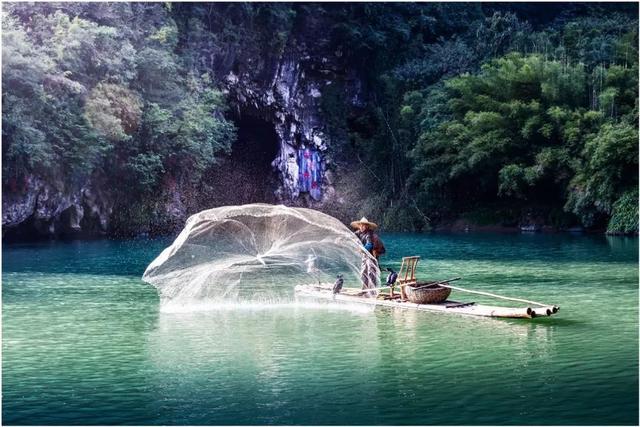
(286, 91)
(280, 81)
(49, 208)
(291, 99)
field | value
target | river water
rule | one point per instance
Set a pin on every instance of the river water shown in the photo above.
(84, 342)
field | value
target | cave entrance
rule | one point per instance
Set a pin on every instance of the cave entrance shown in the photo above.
(246, 175)
(257, 145)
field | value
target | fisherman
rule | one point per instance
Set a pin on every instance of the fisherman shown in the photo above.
(370, 240)
(369, 270)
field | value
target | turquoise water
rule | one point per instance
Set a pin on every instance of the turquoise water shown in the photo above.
(84, 342)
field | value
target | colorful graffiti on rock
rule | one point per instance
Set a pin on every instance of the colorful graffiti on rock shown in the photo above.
(310, 172)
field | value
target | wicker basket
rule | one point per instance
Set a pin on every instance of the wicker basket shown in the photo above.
(424, 293)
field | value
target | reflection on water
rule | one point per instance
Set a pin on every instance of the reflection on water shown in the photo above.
(264, 358)
(260, 303)
(86, 342)
(622, 243)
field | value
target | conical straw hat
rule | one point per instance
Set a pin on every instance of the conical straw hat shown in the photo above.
(365, 221)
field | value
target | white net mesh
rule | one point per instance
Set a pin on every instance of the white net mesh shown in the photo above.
(256, 252)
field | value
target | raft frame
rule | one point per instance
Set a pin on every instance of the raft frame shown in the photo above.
(324, 291)
(407, 280)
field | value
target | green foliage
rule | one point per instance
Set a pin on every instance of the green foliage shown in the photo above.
(113, 110)
(24, 69)
(43, 127)
(88, 52)
(145, 169)
(624, 217)
(610, 166)
(521, 129)
(459, 109)
(499, 113)
(166, 35)
(93, 90)
(201, 133)
(609, 38)
(251, 36)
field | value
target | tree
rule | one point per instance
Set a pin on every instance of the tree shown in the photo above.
(91, 91)
(521, 130)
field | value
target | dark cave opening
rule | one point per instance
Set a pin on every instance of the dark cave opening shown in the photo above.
(247, 175)
(65, 226)
(256, 146)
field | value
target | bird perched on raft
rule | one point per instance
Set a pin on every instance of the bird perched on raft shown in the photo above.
(337, 286)
(392, 277)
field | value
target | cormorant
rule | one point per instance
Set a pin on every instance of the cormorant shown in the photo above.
(337, 287)
(392, 277)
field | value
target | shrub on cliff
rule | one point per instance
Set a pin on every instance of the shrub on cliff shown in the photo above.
(526, 128)
(624, 217)
(103, 89)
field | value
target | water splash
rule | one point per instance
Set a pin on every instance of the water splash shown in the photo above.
(176, 307)
(254, 254)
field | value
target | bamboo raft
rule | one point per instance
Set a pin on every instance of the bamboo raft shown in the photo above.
(411, 289)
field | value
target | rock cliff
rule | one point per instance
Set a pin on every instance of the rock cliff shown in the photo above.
(42, 208)
(283, 88)
(290, 99)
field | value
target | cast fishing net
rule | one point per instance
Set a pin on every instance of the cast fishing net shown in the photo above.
(257, 252)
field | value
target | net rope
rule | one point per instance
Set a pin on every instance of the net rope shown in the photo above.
(258, 252)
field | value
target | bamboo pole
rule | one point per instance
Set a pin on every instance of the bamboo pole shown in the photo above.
(438, 283)
(545, 311)
(498, 296)
(554, 309)
(367, 289)
(541, 311)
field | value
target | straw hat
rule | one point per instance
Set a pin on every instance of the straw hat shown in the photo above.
(365, 221)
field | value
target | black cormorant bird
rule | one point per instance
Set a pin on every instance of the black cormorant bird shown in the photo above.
(392, 277)
(337, 287)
